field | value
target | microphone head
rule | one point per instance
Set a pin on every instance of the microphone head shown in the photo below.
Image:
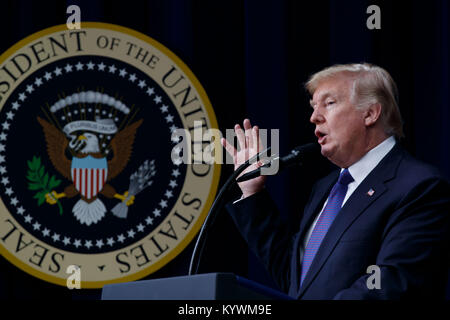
(309, 148)
(303, 154)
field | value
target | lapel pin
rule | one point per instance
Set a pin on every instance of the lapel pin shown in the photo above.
(370, 192)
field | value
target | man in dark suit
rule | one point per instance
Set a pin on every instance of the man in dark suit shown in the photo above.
(376, 229)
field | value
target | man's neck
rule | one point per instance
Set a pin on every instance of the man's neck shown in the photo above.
(372, 139)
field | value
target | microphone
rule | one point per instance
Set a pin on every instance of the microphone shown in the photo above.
(214, 210)
(298, 156)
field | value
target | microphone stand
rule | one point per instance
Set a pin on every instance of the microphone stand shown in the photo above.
(214, 210)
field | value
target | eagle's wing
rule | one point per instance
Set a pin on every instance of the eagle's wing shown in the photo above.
(122, 145)
(56, 147)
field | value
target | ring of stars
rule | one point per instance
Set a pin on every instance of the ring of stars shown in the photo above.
(37, 82)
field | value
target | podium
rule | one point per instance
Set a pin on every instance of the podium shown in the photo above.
(209, 286)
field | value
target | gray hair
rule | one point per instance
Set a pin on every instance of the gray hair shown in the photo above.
(371, 84)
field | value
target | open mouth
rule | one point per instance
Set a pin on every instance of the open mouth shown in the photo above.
(320, 136)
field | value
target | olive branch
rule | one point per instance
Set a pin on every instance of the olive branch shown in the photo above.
(39, 180)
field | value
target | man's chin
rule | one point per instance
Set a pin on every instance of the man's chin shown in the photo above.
(325, 150)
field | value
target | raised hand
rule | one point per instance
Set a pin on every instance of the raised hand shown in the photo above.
(249, 145)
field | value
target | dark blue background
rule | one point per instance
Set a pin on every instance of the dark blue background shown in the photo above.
(252, 57)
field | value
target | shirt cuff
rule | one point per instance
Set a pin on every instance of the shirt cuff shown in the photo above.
(242, 197)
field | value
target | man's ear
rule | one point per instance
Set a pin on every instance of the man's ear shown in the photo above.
(372, 114)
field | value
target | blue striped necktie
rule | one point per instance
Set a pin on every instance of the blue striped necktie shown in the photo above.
(325, 220)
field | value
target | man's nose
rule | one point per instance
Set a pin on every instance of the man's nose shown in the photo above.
(316, 116)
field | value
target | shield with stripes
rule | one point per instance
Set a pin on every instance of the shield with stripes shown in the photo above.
(89, 175)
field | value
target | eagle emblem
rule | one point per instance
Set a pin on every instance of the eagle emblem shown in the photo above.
(89, 154)
(95, 153)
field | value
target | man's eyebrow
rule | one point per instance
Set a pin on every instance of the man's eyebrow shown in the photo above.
(321, 98)
(325, 95)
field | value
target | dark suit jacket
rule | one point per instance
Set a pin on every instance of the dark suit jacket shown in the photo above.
(403, 228)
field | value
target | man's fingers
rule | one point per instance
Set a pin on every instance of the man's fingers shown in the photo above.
(247, 124)
(248, 140)
(240, 136)
(229, 147)
(248, 133)
(256, 139)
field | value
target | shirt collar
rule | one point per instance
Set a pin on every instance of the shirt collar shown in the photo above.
(361, 169)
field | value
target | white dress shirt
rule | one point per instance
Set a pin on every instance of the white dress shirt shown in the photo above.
(359, 171)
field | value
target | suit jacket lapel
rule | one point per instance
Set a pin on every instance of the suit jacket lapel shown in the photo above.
(352, 209)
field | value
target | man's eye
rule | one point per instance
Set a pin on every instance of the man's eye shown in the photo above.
(331, 102)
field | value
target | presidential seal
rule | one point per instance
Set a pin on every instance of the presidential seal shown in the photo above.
(87, 148)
